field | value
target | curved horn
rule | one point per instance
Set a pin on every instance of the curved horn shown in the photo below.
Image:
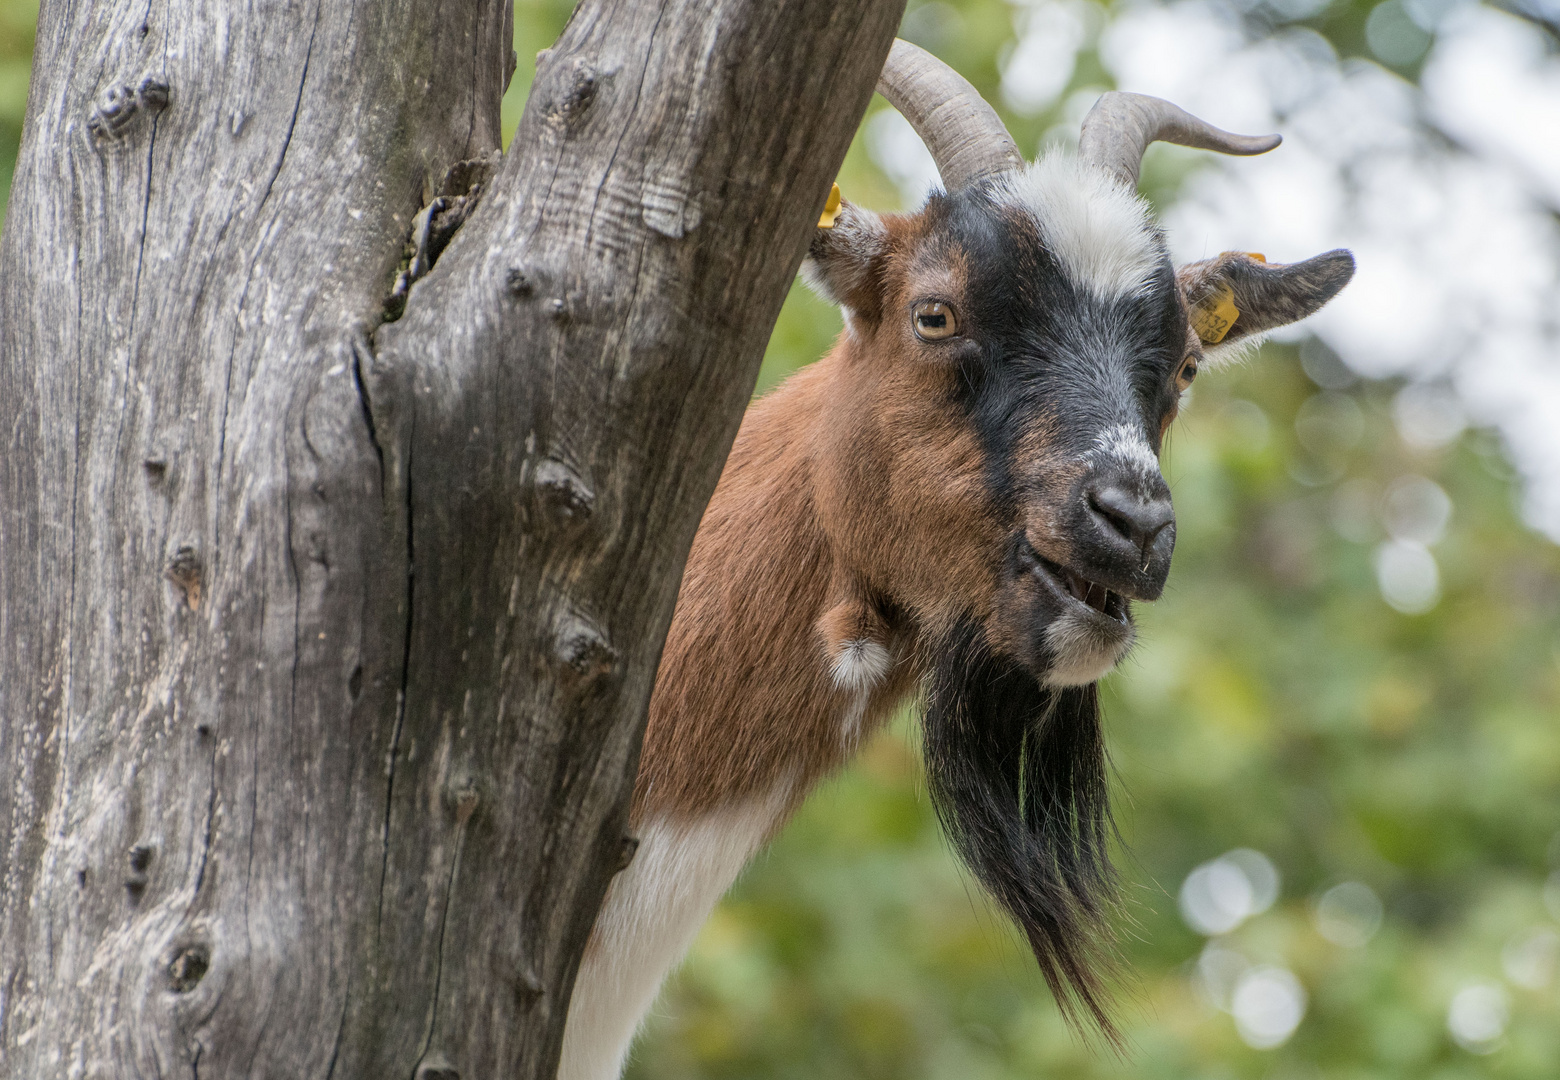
(964, 134)
(1120, 126)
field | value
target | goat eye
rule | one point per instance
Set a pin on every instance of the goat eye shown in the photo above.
(1188, 372)
(935, 321)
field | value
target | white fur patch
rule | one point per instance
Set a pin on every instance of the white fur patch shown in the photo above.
(816, 277)
(1084, 651)
(860, 664)
(652, 912)
(1125, 445)
(1100, 232)
(855, 712)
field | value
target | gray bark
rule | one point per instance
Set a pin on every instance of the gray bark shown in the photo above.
(327, 644)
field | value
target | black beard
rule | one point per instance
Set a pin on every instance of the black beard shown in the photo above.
(1017, 773)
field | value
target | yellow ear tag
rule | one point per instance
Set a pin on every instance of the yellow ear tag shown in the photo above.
(831, 209)
(1261, 258)
(1213, 317)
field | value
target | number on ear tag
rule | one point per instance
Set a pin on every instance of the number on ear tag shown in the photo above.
(1213, 317)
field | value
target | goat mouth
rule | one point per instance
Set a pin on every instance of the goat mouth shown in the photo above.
(1110, 604)
(1077, 589)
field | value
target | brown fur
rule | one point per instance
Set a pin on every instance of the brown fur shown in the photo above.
(744, 699)
(851, 498)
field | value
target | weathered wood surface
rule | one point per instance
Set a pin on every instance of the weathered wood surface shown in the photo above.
(327, 644)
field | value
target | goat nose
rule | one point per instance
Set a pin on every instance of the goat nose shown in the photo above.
(1137, 519)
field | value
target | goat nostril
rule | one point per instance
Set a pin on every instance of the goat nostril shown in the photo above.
(1136, 520)
(1112, 517)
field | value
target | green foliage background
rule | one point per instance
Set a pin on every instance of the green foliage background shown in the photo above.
(1275, 702)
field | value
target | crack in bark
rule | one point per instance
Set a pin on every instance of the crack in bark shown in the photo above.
(243, 293)
(297, 581)
(292, 122)
(211, 812)
(471, 111)
(639, 93)
(406, 668)
(341, 1028)
(140, 255)
(361, 345)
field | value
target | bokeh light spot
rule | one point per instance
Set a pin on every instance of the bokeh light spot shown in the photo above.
(1222, 893)
(1348, 914)
(1409, 579)
(1416, 509)
(1529, 958)
(1393, 36)
(1428, 416)
(1478, 1016)
(1268, 1004)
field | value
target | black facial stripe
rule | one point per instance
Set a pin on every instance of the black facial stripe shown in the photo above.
(1046, 346)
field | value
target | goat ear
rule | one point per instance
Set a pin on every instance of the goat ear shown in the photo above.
(840, 261)
(1235, 299)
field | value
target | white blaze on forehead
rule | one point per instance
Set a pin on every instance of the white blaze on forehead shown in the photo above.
(1126, 446)
(1099, 231)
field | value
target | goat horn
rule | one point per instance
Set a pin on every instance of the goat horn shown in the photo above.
(1120, 126)
(964, 134)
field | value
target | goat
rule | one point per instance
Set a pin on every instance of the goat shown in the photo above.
(964, 497)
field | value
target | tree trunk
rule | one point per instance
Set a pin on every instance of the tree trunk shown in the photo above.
(327, 643)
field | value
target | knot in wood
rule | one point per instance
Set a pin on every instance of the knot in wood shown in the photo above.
(578, 91)
(528, 990)
(466, 799)
(582, 648)
(153, 93)
(113, 113)
(188, 968)
(121, 104)
(518, 282)
(437, 1067)
(136, 880)
(185, 572)
(562, 493)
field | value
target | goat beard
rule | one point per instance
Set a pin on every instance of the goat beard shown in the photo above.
(1017, 773)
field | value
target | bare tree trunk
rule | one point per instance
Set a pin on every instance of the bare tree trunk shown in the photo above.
(327, 644)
